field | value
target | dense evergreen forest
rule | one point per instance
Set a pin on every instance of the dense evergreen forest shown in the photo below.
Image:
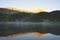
(12, 15)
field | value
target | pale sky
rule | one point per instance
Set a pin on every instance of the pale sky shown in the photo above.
(31, 4)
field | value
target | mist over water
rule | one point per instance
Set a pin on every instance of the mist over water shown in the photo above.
(23, 27)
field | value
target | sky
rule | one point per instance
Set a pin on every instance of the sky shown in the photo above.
(31, 4)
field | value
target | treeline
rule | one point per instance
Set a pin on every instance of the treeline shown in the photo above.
(11, 15)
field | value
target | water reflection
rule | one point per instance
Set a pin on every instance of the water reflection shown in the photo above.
(8, 28)
(33, 37)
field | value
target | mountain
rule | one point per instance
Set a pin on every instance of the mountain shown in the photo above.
(19, 10)
(39, 10)
(33, 11)
(10, 15)
(15, 15)
(7, 11)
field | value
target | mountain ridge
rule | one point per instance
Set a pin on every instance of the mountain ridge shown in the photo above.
(28, 11)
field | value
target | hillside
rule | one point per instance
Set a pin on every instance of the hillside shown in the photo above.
(14, 15)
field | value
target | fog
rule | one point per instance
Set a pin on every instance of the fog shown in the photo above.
(23, 27)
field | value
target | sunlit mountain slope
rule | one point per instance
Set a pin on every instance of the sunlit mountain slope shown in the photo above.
(24, 10)
(38, 10)
(20, 10)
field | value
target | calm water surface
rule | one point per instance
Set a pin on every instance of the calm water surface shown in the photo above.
(33, 37)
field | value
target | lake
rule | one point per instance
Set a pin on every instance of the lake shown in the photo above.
(33, 37)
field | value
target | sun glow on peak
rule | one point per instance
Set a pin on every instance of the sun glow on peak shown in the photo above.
(20, 10)
(39, 10)
(25, 10)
